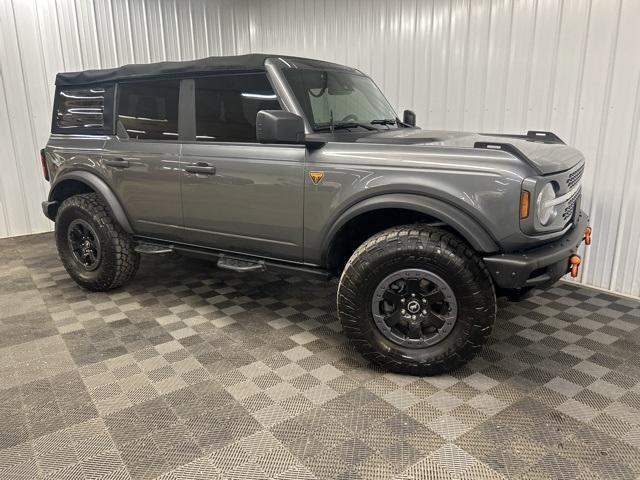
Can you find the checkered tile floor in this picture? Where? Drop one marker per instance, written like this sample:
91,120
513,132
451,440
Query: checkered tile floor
192,372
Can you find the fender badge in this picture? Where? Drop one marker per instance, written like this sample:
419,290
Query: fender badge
316,177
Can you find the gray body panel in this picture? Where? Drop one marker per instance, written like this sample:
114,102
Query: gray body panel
483,187
253,202
543,157
149,188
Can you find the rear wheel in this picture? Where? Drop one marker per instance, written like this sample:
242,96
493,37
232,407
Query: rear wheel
416,299
93,248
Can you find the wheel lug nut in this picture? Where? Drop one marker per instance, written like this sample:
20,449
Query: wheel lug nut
413,317
424,300
413,294
424,312
403,311
402,300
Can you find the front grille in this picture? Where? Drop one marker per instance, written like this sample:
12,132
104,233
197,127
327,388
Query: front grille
570,206
574,177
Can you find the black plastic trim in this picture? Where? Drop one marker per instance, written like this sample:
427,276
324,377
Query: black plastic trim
507,147
210,254
531,136
186,110
50,209
450,215
514,270
101,188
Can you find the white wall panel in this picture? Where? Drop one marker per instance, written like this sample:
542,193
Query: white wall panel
41,38
570,66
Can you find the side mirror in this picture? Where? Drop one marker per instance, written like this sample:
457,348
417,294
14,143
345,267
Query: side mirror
279,126
409,118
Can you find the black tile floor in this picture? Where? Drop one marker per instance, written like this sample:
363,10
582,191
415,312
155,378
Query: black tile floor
193,372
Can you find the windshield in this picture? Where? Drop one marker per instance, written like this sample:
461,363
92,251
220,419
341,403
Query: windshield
343,98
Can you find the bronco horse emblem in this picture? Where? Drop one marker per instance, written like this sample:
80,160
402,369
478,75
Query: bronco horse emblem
316,177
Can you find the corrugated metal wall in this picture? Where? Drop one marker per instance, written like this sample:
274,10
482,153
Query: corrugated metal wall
39,38
569,66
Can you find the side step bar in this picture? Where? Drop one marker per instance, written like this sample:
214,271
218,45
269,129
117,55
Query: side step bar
153,248
227,261
240,264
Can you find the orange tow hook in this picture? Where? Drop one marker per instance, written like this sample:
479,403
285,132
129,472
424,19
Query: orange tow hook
574,261
587,236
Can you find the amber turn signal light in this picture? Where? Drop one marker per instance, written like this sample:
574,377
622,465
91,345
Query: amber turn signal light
524,205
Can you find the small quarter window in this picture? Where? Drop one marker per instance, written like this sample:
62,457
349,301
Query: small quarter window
83,109
149,110
227,105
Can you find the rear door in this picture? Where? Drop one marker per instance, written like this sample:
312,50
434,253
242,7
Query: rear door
239,195
143,159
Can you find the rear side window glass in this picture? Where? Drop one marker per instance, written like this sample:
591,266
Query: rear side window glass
83,109
149,110
227,105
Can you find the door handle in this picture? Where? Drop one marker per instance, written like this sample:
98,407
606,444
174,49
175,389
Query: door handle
201,167
116,162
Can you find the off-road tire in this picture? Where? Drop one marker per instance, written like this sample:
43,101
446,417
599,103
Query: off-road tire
119,261
423,247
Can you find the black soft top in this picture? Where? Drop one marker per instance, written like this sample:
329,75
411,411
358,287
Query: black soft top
249,62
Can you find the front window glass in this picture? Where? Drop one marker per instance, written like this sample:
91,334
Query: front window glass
227,106
328,96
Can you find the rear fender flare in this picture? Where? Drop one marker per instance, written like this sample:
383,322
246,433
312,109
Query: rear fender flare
460,221
100,187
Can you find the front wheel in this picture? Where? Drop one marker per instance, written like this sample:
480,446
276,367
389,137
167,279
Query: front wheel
416,299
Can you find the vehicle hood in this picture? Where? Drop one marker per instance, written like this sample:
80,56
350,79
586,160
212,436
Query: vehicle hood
546,158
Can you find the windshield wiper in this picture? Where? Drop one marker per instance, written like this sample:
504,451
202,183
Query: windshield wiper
341,125
384,121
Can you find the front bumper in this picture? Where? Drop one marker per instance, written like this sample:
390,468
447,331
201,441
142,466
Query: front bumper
539,265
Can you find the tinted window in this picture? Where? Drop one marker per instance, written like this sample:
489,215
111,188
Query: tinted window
81,108
149,110
226,106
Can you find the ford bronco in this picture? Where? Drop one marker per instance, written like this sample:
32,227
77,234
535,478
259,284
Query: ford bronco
276,162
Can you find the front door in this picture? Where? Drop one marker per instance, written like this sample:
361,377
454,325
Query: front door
142,162
238,195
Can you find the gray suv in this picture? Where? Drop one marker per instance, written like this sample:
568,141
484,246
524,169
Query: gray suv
275,162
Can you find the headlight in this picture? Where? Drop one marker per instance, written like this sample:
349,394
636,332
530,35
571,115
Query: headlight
546,213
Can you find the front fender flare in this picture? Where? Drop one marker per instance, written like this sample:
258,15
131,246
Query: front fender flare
100,187
460,221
